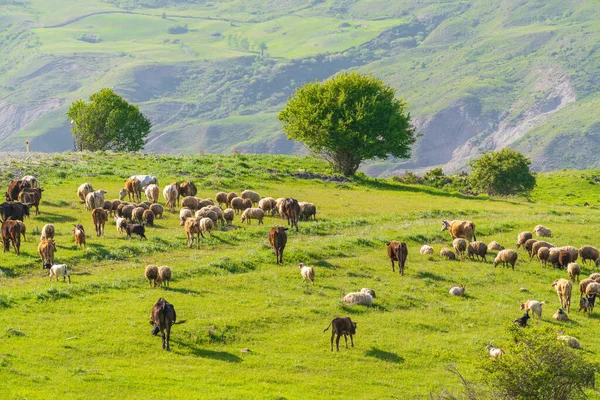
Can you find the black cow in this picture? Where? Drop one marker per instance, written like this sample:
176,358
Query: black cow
14,210
341,326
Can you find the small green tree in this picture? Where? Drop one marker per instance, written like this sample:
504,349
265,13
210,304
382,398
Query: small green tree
262,46
348,119
108,122
502,172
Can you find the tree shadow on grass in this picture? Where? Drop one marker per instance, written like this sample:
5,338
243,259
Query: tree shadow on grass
325,264
181,290
384,355
430,275
52,217
214,355
359,309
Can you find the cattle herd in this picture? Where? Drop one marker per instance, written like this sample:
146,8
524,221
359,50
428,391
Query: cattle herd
201,216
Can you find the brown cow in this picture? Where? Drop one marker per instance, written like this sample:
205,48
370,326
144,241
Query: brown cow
99,216
79,234
46,250
11,232
32,197
291,211
341,326
14,188
460,229
278,239
397,252
163,318
133,187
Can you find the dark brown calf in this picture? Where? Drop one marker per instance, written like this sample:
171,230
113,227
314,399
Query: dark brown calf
341,326
397,251
14,188
32,197
11,232
278,239
163,318
291,211
99,216
134,228
133,188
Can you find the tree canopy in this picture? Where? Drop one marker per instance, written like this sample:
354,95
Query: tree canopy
348,119
502,172
108,122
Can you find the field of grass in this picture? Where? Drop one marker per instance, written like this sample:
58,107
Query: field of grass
91,339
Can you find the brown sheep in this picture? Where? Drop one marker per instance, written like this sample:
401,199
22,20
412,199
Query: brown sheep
278,240
164,276
460,246
190,202
151,273
478,249
237,203
229,214
563,289
583,285
108,206
543,254
506,257
574,270
397,251
231,196
148,217
137,214
588,253
253,213
253,196
79,235
126,211
447,253
460,229
246,203
99,217
529,245
538,245
595,276
523,238
221,198
564,258
157,210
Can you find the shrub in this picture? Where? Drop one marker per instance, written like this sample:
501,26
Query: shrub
503,172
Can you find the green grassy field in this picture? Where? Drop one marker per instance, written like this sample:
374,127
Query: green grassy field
91,339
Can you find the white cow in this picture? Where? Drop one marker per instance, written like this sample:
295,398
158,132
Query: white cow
145,180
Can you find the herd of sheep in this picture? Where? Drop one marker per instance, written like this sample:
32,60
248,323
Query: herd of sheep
201,216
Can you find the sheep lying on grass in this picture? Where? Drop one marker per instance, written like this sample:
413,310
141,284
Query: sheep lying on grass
542,231
458,290
495,246
560,315
447,253
495,352
362,298
426,250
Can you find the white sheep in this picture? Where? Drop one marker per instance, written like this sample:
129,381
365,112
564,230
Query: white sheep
152,192
84,190
495,246
119,221
495,352
206,225
47,232
308,273
253,213
229,214
184,214
506,257
568,340
361,298
534,306
59,269
542,231
266,204
458,290
425,249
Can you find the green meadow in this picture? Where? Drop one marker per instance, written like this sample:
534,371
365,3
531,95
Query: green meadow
91,339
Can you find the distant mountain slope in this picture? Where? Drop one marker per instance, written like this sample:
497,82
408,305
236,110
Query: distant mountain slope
478,75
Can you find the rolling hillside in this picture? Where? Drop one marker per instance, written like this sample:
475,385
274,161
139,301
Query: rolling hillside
478,75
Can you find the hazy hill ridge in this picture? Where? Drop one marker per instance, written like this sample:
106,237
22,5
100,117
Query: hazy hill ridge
478,75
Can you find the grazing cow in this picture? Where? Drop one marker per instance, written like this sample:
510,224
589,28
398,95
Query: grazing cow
397,252
99,216
145,180
32,197
291,211
186,188
170,193
278,239
460,229
133,188
163,318
11,232
134,228
14,210
84,190
23,229
79,235
341,326
14,188
46,250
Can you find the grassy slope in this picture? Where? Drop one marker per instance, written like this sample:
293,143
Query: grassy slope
91,338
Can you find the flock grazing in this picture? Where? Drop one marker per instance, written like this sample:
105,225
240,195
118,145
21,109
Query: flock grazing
200,217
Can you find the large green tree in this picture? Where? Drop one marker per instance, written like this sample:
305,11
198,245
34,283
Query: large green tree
348,119
502,172
108,122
